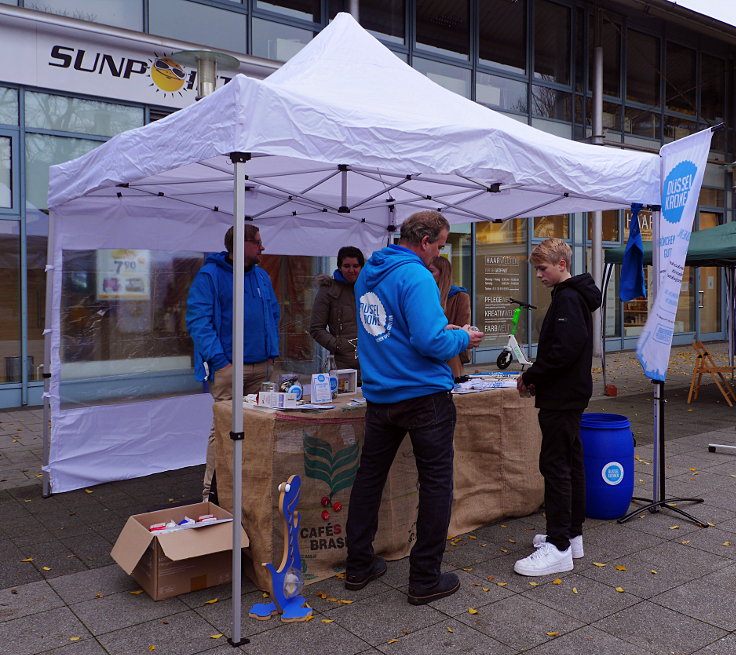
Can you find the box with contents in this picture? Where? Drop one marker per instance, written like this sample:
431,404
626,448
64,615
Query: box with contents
277,399
347,380
174,561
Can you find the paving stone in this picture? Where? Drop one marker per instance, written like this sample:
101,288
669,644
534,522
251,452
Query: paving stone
614,540
377,619
181,634
519,622
724,646
81,647
27,599
85,585
28,635
473,593
702,601
659,630
586,641
690,561
220,615
116,611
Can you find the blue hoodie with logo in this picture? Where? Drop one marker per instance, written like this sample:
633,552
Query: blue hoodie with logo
210,316
402,341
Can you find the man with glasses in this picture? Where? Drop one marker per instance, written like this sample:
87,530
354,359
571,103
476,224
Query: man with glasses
210,324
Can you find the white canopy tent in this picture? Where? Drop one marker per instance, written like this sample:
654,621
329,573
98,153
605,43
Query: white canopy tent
337,147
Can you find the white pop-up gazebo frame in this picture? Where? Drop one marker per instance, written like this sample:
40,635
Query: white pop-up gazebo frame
336,147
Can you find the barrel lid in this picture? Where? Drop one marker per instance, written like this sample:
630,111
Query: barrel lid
604,421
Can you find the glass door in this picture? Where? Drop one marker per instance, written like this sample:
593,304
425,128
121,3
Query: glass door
709,294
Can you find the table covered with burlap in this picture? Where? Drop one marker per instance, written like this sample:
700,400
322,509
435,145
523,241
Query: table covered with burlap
497,442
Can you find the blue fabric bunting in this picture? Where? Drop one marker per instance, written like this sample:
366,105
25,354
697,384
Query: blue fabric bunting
632,271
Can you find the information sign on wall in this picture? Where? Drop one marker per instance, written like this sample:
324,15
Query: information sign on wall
123,274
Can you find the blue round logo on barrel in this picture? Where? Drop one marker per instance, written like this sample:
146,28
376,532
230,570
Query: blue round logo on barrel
612,473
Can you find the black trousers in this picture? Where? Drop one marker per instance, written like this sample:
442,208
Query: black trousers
430,422
561,465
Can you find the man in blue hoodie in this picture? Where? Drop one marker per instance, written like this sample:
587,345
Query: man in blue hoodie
210,324
403,344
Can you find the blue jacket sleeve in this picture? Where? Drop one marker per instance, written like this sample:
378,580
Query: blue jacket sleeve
427,321
201,322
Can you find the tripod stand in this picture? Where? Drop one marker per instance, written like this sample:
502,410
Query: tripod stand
658,485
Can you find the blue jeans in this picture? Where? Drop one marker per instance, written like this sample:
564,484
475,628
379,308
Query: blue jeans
430,422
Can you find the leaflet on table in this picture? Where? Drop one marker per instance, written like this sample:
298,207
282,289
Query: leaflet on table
482,384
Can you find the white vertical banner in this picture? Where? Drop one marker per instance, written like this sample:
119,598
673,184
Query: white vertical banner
683,164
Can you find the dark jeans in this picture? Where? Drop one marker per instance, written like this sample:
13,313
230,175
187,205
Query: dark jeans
430,422
561,465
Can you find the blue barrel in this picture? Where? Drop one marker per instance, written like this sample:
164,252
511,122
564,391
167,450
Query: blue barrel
608,449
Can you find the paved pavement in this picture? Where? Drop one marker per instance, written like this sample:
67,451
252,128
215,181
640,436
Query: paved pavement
656,584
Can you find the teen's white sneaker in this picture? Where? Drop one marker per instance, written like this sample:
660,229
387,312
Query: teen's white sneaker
544,560
576,544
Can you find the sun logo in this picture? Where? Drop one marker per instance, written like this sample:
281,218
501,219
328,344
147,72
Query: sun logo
167,75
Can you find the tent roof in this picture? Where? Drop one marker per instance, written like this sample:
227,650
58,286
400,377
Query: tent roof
348,137
715,246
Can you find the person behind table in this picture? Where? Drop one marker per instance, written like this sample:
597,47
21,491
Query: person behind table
210,324
455,302
561,381
333,325
403,346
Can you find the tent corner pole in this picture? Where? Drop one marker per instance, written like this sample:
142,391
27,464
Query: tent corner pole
237,432
48,326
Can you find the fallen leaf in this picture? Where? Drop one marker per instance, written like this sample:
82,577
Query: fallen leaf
99,596
46,568
486,588
340,576
598,564
491,578
503,550
653,572
332,600
618,567
392,641
511,541
215,636
472,611
674,527
726,543
27,559
552,634
345,602
321,594
686,542
472,536
327,620
88,491
574,590
534,584
135,593
502,584
470,569
620,590
210,602
151,648
483,545
557,581
74,638
693,468
450,630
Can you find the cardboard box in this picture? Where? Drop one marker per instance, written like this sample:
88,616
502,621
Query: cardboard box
177,562
277,399
347,380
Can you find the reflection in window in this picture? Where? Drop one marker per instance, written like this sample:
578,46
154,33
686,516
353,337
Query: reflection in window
500,93
119,13
681,79
712,88
8,106
190,21
276,41
552,42
642,68
443,27
502,31
10,307
548,227
52,112
6,173
385,19
641,123
302,9
609,227
550,103
710,198
43,151
676,128
453,78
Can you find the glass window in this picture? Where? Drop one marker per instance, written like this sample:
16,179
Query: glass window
8,106
303,9
645,224
453,78
37,231
641,123
276,41
680,79
611,44
190,21
552,45
43,151
549,227
611,115
676,128
385,19
120,13
51,112
551,103
609,227
500,92
10,301
502,33
712,89
444,27
6,172
642,68
711,198
501,272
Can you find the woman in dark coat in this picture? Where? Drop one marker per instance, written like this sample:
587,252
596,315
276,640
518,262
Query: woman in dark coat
333,325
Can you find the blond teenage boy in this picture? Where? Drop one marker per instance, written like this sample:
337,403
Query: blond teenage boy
561,382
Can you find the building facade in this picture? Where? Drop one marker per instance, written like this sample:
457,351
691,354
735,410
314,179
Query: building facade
75,73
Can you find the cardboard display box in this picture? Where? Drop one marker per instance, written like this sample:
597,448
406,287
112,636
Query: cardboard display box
177,562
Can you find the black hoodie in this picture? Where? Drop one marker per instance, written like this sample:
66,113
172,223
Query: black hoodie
561,371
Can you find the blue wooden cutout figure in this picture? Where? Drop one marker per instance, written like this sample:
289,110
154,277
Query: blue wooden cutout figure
285,584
